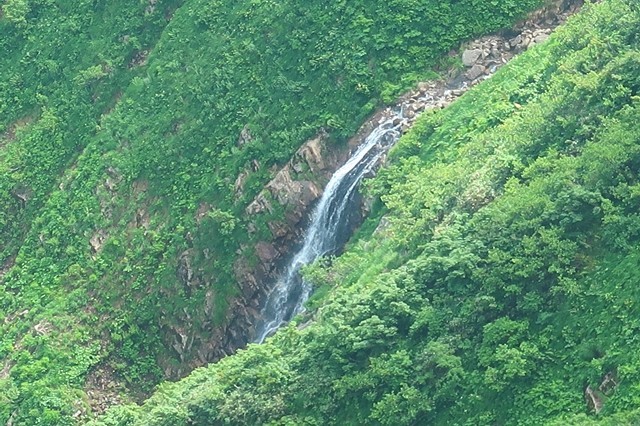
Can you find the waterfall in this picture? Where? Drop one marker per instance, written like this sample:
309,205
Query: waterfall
328,228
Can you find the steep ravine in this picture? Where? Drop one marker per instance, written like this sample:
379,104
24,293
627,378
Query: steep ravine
286,201
330,226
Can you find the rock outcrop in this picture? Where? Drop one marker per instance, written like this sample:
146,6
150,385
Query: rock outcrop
281,209
596,397
292,191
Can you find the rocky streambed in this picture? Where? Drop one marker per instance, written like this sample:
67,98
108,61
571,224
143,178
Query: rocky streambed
482,57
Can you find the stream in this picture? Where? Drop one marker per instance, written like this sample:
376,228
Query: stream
329,227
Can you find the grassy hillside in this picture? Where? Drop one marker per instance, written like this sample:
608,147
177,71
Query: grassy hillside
501,283
119,121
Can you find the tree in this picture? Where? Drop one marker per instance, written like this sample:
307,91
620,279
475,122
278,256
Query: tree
16,11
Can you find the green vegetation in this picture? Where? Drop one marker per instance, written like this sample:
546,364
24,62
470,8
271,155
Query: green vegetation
505,283
120,120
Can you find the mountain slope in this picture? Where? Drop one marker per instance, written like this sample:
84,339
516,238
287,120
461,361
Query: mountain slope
120,143
500,283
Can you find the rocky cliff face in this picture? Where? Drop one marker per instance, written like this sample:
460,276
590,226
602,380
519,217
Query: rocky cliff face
292,192
281,211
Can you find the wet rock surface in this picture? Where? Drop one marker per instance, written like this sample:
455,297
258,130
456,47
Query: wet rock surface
596,397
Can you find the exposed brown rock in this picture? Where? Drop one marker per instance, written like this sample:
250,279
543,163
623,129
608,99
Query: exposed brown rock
9,318
594,400
182,341
10,133
312,154
283,188
609,383
97,240
246,277
596,397
238,186
112,180
202,211
140,186
245,136
259,205
22,193
266,252
279,229
142,218
482,58
139,59
102,389
185,270
293,194
43,328
6,369
7,265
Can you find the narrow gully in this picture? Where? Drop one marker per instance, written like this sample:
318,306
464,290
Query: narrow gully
328,229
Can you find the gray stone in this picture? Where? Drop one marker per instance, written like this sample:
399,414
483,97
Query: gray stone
469,57
417,107
541,38
475,72
515,41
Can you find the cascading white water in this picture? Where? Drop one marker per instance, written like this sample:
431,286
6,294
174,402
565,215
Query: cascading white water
329,225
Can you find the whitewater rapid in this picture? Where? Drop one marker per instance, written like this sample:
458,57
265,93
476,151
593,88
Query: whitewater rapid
328,229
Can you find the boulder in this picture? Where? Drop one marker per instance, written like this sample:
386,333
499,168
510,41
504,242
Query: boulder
311,151
471,56
540,38
514,42
475,72
266,252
